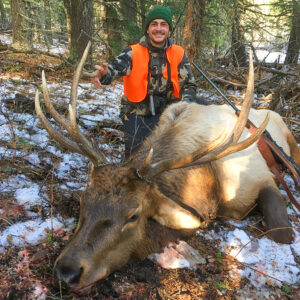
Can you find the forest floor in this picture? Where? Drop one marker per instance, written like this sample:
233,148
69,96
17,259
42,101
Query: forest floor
40,183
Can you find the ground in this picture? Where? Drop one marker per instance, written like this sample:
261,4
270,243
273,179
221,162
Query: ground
40,184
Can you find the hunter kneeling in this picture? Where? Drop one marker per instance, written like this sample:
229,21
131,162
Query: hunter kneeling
155,72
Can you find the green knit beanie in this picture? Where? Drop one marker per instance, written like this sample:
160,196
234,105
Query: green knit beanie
159,12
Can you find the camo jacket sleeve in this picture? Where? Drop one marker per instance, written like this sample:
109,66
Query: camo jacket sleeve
186,80
119,66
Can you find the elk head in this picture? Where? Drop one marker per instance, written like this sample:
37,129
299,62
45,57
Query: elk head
118,208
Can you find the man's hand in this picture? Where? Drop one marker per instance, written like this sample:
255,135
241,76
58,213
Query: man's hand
101,71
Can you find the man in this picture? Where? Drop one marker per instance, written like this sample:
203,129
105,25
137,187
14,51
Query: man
156,73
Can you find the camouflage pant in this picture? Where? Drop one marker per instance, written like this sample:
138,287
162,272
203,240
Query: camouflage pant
136,129
143,108
139,122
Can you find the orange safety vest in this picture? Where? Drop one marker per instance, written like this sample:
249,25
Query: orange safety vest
136,83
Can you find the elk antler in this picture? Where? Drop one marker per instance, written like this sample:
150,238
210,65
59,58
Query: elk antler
218,148
78,142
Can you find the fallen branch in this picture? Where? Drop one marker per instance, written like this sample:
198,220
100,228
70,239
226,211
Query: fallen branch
218,79
35,51
291,120
103,124
278,72
261,82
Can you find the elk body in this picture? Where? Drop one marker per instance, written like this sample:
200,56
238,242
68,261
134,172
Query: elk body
184,175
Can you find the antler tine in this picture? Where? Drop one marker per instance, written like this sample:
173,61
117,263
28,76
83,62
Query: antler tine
85,145
246,106
231,144
147,164
230,148
247,103
57,117
77,74
54,133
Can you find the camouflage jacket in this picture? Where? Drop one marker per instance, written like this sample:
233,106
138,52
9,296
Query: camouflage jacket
158,87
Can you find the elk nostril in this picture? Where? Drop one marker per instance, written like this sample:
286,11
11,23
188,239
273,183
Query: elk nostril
68,271
76,277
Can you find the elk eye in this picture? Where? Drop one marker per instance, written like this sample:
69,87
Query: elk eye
133,218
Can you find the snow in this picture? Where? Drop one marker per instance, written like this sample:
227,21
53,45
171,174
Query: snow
176,256
13,184
68,162
28,196
5,39
265,255
30,232
270,57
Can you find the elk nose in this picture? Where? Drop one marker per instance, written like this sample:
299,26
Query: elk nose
68,271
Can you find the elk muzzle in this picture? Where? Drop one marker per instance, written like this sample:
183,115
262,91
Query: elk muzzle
77,275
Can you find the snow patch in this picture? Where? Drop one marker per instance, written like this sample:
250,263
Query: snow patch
31,232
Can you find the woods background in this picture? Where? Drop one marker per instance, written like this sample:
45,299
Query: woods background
211,31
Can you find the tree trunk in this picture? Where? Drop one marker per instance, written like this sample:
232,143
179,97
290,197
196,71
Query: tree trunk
67,5
129,10
48,29
129,22
81,27
4,20
21,27
113,28
143,13
37,15
292,54
193,26
238,49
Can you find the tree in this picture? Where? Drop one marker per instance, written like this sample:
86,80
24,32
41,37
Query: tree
47,22
193,25
237,37
143,11
4,19
113,28
81,23
21,25
67,5
292,55
130,29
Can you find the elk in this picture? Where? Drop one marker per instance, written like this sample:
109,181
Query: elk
188,172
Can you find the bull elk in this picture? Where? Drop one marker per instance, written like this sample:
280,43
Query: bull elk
184,175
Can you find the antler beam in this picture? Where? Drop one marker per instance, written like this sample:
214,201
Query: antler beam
218,148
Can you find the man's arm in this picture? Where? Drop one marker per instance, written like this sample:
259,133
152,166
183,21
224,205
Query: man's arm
186,80
117,67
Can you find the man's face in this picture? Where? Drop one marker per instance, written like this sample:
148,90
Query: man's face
158,31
